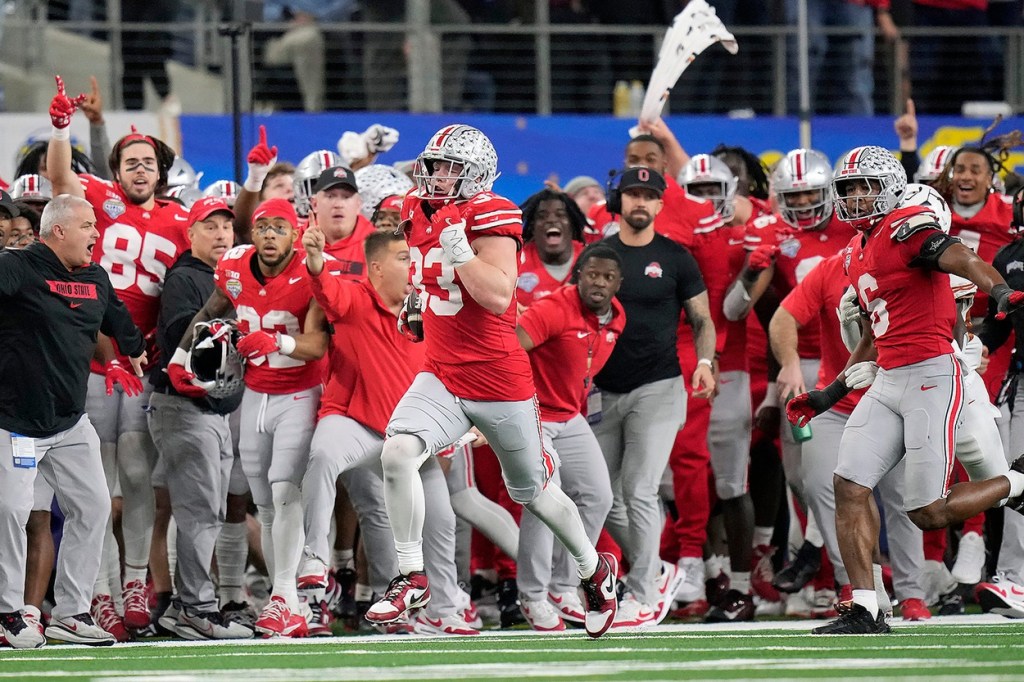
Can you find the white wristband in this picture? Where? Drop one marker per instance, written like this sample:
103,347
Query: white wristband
61,133
254,182
180,354
705,361
285,343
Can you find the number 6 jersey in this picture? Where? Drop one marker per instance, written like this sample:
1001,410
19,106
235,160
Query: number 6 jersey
474,353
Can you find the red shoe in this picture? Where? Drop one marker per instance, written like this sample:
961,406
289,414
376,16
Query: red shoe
277,620
136,605
105,615
602,600
763,573
319,621
406,592
914,609
695,609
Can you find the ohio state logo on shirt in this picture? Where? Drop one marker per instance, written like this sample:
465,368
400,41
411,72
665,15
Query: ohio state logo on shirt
653,270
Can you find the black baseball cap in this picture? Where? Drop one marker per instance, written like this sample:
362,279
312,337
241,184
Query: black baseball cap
7,204
336,176
640,176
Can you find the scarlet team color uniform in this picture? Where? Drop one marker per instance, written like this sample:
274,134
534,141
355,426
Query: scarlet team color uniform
535,282
914,405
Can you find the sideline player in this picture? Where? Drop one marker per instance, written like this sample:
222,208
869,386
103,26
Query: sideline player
463,241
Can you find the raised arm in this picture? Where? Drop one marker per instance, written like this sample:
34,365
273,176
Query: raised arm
58,153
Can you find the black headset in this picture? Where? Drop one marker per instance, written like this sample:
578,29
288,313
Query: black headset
613,195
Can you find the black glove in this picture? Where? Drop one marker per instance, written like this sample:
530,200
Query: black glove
410,318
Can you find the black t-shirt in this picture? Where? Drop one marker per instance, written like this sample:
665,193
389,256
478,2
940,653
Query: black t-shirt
656,279
1008,262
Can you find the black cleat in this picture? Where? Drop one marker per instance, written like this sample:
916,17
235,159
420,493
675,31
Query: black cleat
854,619
951,604
734,607
1017,503
508,604
799,572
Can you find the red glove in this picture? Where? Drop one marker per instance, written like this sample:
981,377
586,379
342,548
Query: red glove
114,373
262,154
62,108
445,216
1007,302
181,379
799,410
257,345
762,257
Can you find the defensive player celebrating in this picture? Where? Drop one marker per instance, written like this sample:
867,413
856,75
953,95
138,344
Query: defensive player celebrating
268,286
463,241
897,265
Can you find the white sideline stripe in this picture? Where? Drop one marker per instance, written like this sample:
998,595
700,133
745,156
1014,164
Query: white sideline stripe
568,669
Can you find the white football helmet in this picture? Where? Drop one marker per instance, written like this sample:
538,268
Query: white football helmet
307,173
182,174
933,165
184,195
32,187
800,171
917,194
884,175
470,150
224,189
214,359
377,182
705,169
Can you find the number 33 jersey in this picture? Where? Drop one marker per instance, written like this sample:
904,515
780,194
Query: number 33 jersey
474,353
271,304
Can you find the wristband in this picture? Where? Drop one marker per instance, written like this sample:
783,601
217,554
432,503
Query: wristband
705,361
253,183
180,354
836,391
285,344
999,291
61,133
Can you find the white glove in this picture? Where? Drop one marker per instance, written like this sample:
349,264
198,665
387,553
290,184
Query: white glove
379,138
352,147
455,244
849,319
972,352
861,375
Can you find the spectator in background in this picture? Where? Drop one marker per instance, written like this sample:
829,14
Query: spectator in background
851,71
24,228
145,52
585,191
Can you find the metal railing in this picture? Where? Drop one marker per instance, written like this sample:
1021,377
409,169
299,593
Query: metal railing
547,68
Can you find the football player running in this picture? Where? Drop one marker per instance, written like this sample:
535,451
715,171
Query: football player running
463,242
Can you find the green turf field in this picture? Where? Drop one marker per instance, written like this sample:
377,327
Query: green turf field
967,649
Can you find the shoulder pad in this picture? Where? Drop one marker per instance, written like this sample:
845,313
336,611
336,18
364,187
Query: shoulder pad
902,229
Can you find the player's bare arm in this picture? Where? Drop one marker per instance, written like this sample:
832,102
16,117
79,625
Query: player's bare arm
524,339
216,307
783,335
490,278
698,316
312,343
957,259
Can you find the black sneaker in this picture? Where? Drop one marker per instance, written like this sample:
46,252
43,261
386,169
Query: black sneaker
342,600
733,608
855,620
799,572
951,603
508,604
1017,503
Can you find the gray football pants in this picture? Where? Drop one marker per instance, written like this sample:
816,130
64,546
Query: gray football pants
1011,551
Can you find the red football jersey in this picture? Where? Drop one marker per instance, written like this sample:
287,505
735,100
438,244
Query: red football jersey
912,309
988,231
135,247
570,348
372,364
799,252
733,356
535,281
349,260
813,304
277,304
474,353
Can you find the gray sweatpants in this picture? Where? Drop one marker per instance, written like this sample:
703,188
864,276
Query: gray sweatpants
543,564
791,450
636,433
195,449
1011,551
70,463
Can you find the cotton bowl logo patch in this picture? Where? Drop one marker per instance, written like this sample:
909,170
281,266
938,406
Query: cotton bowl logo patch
790,247
234,287
653,270
528,281
113,208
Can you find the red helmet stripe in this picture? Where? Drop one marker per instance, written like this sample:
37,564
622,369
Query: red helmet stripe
443,135
851,160
703,164
940,160
798,163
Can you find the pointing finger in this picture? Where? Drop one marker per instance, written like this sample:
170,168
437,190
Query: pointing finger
910,107
94,85
263,136
60,85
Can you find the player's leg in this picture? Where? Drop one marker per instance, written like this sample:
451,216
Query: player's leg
821,455
255,449
487,516
365,485
906,544
41,551
979,446
232,549
1011,551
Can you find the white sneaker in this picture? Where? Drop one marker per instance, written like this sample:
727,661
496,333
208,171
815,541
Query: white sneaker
541,615
970,559
19,633
34,617
937,581
467,609
312,575
634,614
569,606
667,582
169,619
79,629
798,604
449,625
1001,596
692,586
200,626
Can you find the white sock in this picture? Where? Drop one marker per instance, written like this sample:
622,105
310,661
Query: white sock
763,535
266,518
343,558
289,538
401,459
882,595
740,581
132,573
363,592
712,566
560,514
410,556
868,599
232,554
1016,480
172,550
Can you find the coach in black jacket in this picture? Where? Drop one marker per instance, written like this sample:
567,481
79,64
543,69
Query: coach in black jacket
54,301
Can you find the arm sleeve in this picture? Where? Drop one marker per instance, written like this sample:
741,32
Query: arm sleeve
333,295
117,323
99,150
542,321
911,162
11,273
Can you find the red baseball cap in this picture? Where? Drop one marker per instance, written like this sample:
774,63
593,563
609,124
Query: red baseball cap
207,206
391,203
276,208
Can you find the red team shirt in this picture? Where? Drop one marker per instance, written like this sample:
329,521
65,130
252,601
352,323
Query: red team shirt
987,232
535,282
473,352
571,347
136,247
911,309
349,261
279,304
799,252
813,304
372,364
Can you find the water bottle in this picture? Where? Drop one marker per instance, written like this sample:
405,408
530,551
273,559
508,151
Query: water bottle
800,433
620,100
636,98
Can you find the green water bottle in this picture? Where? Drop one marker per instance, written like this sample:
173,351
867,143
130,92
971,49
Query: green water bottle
800,433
